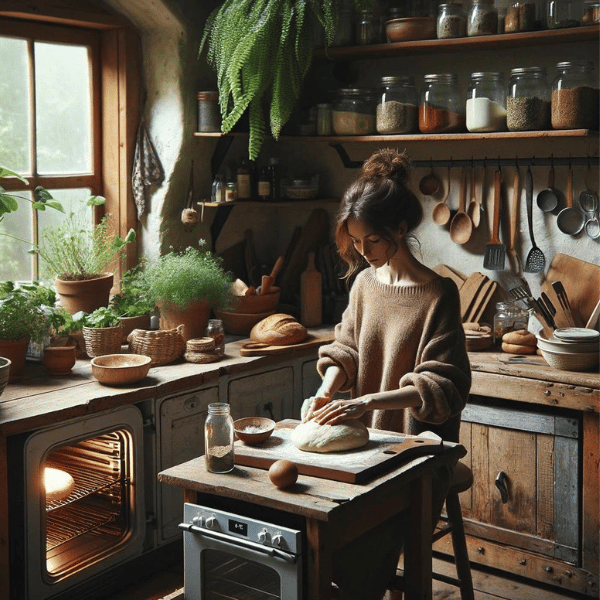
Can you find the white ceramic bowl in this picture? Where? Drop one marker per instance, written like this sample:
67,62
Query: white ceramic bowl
563,347
578,361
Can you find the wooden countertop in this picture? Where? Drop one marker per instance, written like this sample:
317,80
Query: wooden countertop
40,400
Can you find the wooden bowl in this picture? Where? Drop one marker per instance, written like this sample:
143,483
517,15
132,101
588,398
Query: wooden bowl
238,323
411,28
257,303
253,430
120,369
4,372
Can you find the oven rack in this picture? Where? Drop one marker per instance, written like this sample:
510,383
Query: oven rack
78,519
87,482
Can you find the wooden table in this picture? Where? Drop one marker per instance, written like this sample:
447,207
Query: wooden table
336,513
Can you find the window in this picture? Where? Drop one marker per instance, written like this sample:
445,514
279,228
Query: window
68,117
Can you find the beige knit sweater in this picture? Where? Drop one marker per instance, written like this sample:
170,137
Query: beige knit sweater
394,336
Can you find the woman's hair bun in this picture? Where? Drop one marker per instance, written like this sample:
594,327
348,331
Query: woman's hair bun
387,163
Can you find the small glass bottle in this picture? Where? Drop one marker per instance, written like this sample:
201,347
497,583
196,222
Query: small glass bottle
353,112
575,96
230,191
486,103
520,16
591,12
275,177
563,13
264,185
209,115
324,119
218,189
215,330
451,21
218,439
528,100
508,317
344,34
244,181
442,109
482,19
368,28
398,106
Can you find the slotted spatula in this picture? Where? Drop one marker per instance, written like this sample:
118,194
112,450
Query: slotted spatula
535,261
495,251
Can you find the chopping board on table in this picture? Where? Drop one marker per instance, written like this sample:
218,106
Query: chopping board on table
251,348
384,451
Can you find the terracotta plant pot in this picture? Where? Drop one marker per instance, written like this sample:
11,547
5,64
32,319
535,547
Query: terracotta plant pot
59,360
131,323
4,372
15,351
86,295
194,319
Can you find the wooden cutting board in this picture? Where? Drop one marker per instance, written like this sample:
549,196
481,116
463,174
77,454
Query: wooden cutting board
384,451
251,348
582,284
311,294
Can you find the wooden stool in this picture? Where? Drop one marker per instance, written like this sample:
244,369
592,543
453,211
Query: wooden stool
462,480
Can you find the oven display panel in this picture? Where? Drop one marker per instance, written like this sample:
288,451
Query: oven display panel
238,527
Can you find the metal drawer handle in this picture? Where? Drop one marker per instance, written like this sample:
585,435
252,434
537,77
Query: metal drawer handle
501,481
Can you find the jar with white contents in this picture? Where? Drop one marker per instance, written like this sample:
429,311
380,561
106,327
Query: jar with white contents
486,103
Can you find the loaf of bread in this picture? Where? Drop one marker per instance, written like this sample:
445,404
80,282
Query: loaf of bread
278,330
520,337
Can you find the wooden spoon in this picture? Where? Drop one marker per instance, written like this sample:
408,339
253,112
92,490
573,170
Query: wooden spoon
441,211
430,184
461,226
474,210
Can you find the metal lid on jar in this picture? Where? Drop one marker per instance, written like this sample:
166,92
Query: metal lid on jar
208,95
441,78
398,80
357,92
487,75
528,71
584,65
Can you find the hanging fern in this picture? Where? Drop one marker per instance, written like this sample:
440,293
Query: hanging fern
262,50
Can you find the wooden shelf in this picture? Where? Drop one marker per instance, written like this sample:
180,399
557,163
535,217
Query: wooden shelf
466,44
281,203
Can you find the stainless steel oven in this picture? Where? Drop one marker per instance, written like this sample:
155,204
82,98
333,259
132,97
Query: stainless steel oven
233,556
78,502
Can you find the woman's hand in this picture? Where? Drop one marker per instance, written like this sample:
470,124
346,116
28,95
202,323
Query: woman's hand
337,411
310,405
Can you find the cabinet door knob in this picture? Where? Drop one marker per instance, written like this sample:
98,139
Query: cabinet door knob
501,480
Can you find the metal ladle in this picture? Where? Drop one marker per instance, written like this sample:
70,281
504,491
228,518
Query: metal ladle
474,210
547,199
441,212
588,202
570,220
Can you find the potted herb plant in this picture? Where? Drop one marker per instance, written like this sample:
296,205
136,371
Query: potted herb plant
79,256
22,320
66,341
185,286
102,332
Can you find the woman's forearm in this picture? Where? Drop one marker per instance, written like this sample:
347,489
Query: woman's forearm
333,380
406,397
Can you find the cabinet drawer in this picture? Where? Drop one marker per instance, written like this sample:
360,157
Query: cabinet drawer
526,470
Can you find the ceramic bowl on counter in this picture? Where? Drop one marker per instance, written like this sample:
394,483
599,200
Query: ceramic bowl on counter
238,323
253,430
120,369
569,355
258,303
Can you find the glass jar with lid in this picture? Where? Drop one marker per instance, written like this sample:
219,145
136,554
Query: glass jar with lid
575,96
528,100
344,33
482,19
353,112
561,14
451,21
520,16
508,317
591,12
368,28
398,107
441,108
218,439
486,102
209,113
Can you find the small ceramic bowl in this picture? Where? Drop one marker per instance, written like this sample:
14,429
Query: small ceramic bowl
120,369
253,430
238,323
577,361
258,303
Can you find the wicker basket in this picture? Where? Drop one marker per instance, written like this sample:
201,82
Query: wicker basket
162,346
102,340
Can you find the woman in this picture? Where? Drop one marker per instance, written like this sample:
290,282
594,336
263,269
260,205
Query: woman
399,349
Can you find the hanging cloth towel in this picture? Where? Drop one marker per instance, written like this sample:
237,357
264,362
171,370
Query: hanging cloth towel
146,168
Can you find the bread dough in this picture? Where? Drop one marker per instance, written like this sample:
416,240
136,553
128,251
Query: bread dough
59,484
313,437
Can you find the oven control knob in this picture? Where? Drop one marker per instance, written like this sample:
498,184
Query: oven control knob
277,540
264,537
212,523
198,521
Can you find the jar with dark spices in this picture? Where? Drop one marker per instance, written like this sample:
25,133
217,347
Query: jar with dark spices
441,109
575,96
398,107
368,28
482,19
218,439
520,16
528,100
353,112
451,21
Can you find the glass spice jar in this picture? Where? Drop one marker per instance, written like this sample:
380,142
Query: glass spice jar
508,317
528,100
520,16
441,109
574,103
353,112
209,114
482,19
368,28
591,13
398,107
218,439
561,14
215,330
486,103
451,21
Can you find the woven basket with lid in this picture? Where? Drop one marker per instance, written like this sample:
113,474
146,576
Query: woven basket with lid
163,346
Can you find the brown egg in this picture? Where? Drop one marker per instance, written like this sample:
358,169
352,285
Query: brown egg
283,473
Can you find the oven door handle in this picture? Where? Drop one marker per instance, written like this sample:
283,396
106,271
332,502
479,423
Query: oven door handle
232,541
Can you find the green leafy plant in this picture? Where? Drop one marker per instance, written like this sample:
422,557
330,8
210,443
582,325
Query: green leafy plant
261,50
134,298
21,314
102,317
178,279
73,251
